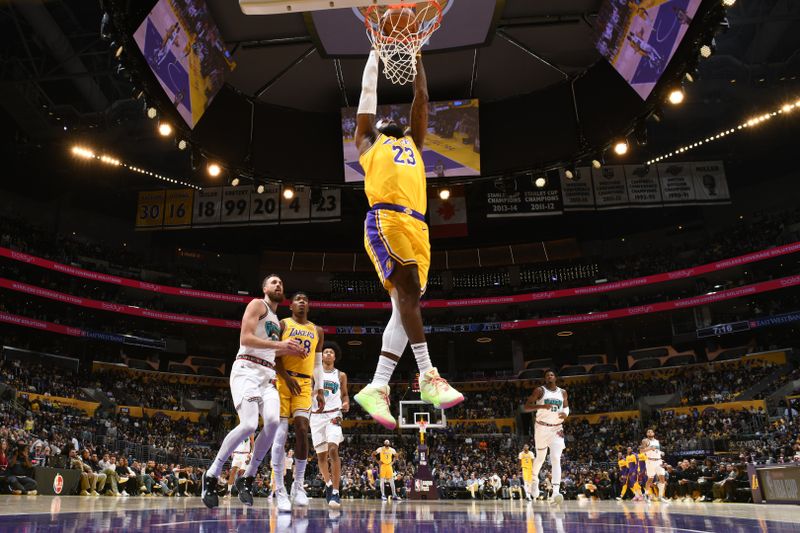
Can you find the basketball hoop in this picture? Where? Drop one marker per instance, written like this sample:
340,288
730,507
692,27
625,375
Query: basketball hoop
399,36
422,424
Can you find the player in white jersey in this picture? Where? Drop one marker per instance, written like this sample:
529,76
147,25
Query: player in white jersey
253,386
552,408
241,457
655,465
326,423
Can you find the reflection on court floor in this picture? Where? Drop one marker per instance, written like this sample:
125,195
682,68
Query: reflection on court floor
74,513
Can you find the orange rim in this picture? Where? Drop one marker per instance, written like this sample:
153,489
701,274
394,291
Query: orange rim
378,37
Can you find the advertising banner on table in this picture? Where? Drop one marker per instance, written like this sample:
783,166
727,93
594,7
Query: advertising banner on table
526,195
577,193
677,183
448,217
644,189
710,183
610,188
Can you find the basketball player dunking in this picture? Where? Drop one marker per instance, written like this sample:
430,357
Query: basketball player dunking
326,424
552,408
253,386
396,239
295,390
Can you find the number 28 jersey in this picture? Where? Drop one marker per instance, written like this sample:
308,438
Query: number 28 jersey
394,173
307,335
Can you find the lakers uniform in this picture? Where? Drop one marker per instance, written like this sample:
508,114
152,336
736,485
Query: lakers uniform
630,460
642,470
395,231
526,462
253,371
326,427
386,455
300,369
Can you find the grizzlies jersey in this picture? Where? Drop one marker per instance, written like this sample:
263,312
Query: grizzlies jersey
268,328
394,173
656,453
555,399
307,335
333,394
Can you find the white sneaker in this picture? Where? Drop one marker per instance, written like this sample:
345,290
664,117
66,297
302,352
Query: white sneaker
536,492
664,500
124,493
299,496
282,501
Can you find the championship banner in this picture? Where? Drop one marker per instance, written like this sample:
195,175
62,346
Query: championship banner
687,273
150,209
610,188
644,189
710,183
677,183
448,217
577,193
527,195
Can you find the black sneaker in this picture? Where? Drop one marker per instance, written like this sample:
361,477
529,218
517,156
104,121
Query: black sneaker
244,485
334,502
328,492
209,493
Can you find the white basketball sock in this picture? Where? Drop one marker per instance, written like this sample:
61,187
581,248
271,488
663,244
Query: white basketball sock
421,355
300,470
384,371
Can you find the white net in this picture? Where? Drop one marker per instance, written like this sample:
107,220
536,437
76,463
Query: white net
398,32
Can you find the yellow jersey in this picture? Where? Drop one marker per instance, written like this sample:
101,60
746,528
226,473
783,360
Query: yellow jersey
307,335
394,173
526,460
631,460
386,455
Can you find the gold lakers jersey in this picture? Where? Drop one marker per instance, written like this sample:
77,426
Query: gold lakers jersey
631,460
394,173
622,464
387,454
307,335
526,460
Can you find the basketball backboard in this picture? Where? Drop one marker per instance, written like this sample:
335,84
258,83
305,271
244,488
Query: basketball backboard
277,7
414,411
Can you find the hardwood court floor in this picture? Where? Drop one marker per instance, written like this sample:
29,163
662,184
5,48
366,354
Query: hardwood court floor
129,515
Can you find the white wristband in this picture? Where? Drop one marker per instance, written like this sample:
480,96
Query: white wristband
565,411
368,105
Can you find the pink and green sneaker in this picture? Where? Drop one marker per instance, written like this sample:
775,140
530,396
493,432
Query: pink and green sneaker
374,400
437,391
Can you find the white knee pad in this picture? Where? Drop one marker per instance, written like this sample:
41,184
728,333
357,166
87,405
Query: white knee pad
394,336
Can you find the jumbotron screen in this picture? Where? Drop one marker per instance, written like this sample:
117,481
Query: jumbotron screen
452,144
182,46
640,38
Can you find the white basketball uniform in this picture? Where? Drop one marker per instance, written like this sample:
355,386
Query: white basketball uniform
654,462
240,455
326,426
549,429
251,379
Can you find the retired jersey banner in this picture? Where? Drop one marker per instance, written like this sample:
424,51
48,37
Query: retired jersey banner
577,192
644,189
448,217
710,183
526,195
610,188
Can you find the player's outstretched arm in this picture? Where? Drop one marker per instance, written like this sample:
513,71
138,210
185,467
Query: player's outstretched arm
368,105
419,107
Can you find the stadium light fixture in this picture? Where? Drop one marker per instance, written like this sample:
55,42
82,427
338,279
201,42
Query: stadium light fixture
484,340
596,164
288,193
706,51
444,194
676,96
728,3
621,147
235,182
540,182
165,129
260,189
83,152
152,112
214,170
354,343
182,145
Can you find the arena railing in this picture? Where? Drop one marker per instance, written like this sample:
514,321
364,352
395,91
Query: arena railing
686,273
